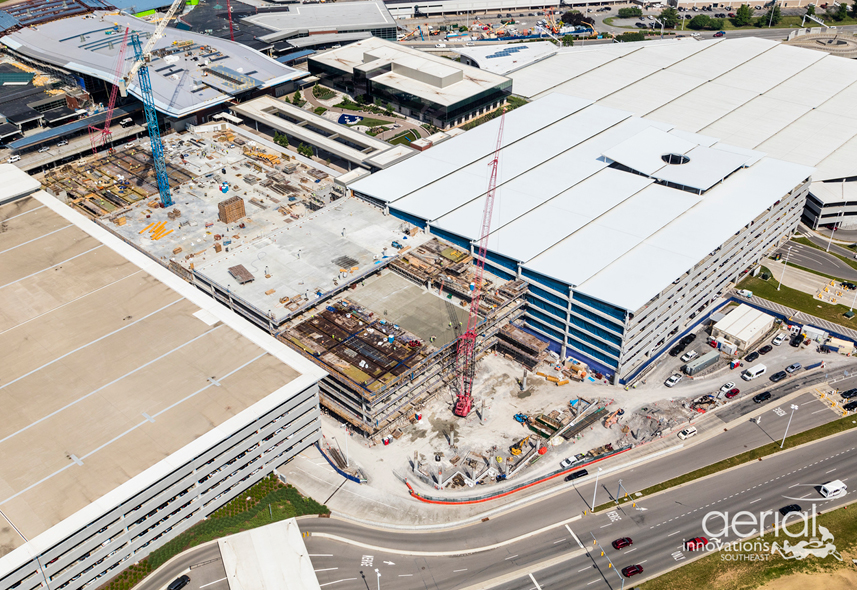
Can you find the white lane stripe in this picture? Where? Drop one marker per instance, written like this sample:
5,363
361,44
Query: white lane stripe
675,533
327,569
215,582
336,582
756,500
536,583
629,550
52,266
456,571
405,575
36,239
21,214
511,557
588,567
320,555
574,536
87,345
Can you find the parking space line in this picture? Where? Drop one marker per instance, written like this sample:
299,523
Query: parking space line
216,581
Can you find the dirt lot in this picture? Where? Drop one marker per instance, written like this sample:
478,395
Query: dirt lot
845,579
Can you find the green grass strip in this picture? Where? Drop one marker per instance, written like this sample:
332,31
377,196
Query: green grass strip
801,438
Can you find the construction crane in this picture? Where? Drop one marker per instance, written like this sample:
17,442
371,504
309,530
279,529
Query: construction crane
142,57
104,136
465,356
229,14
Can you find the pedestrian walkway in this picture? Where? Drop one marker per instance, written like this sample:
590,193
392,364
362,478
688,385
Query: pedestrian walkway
796,278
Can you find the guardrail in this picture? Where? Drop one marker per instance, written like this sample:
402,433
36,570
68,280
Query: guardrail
335,467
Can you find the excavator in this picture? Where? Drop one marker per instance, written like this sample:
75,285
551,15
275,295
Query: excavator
516,448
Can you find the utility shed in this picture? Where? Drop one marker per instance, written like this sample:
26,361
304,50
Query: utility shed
702,363
744,326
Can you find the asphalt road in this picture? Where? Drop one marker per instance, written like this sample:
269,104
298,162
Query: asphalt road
817,260
821,241
200,576
658,529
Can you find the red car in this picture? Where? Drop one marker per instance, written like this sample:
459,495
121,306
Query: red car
732,393
632,570
696,543
622,543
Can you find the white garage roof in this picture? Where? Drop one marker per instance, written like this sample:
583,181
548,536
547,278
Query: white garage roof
745,323
789,102
577,198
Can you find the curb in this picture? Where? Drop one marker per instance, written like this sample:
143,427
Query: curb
453,552
522,572
172,559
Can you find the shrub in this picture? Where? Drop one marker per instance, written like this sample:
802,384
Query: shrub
630,12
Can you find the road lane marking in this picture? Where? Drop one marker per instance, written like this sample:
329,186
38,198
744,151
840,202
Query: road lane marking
644,561
675,533
560,541
606,525
336,582
593,582
405,575
574,536
588,567
511,557
328,569
831,471
456,571
756,500
320,555
816,412
536,583
629,550
220,580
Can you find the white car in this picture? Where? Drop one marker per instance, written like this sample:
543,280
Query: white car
15,158
689,355
673,380
44,149
62,142
780,338
687,433
470,44
570,461
726,387
441,45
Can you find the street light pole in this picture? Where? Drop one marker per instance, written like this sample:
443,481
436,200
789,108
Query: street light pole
771,20
794,407
782,276
379,578
595,491
841,216
613,567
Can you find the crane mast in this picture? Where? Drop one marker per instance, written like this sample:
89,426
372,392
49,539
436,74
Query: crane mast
103,136
465,357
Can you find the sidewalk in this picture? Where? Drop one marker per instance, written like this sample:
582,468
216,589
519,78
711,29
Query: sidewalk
796,278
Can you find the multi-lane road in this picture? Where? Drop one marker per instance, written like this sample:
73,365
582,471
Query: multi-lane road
541,539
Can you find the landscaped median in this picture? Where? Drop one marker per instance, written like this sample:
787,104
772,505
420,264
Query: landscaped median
266,502
819,432
745,570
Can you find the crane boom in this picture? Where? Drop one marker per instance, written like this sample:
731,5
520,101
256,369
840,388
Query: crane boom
159,31
103,136
466,347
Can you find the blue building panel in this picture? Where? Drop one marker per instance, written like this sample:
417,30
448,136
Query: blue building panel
555,299
548,282
611,310
451,238
416,221
502,261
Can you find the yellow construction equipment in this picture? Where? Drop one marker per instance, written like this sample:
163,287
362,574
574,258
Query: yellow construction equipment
516,448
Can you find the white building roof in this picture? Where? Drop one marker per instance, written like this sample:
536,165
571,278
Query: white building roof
315,18
565,209
752,93
503,59
744,323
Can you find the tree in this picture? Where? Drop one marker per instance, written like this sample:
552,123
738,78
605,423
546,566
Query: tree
568,41
700,21
838,13
772,17
743,16
854,9
669,16
810,10
296,99
630,12
715,24
575,18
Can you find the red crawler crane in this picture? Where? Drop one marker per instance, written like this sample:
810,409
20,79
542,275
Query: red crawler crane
229,13
465,359
98,136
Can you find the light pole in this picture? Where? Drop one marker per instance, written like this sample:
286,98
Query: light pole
841,215
379,578
595,491
782,276
853,300
662,27
794,407
771,20
604,553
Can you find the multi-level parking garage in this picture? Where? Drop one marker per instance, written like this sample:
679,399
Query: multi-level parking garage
625,229
134,405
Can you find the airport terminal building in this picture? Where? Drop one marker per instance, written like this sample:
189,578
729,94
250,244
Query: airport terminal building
135,405
626,229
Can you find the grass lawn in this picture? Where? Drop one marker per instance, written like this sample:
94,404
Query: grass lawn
796,299
405,137
714,573
269,501
370,122
377,131
841,425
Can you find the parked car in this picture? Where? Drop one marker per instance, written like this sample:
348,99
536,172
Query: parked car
44,149
732,393
727,386
569,461
632,570
676,350
796,340
577,475
848,393
179,583
687,433
779,339
778,376
850,406
673,380
792,368
762,397
689,356
622,543
766,349
696,543
62,142
15,158
848,285
790,508
688,339
441,45
751,357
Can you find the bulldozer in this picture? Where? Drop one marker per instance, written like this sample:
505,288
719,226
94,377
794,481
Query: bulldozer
516,448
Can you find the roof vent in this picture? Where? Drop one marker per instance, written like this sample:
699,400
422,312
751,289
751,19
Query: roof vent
675,159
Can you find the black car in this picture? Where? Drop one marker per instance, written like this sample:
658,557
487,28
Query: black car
688,339
676,350
766,349
179,583
848,393
790,508
751,357
796,340
577,475
850,406
762,397
848,285
779,376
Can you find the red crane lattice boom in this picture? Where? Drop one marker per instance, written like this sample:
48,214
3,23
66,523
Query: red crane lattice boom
466,348
97,135
229,14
